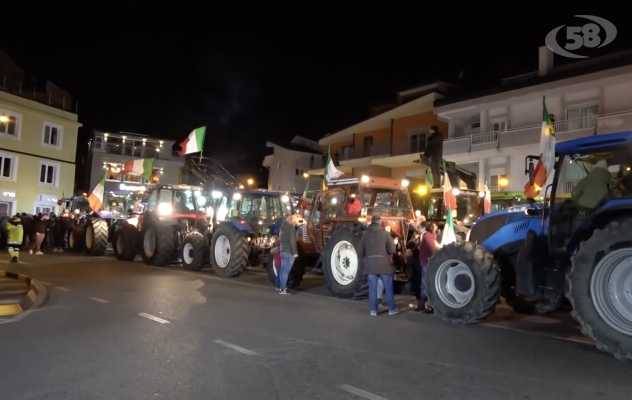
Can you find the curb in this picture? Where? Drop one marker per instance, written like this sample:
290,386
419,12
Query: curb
33,299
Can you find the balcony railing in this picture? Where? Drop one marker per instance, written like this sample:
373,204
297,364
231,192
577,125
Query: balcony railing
37,93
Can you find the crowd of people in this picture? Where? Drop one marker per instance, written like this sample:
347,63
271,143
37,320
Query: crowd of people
33,233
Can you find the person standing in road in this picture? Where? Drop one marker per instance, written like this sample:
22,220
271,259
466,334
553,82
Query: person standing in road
289,252
427,246
14,238
41,227
375,249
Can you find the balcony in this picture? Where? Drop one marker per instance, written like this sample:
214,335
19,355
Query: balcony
365,155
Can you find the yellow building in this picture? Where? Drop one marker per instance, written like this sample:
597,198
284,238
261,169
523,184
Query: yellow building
38,141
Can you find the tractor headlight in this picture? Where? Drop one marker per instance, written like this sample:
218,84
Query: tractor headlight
164,209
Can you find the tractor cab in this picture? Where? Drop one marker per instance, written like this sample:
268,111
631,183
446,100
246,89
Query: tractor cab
176,201
504,200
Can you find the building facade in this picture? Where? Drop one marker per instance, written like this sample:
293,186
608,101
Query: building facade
491,133
38,141
110,151
389,143
289,164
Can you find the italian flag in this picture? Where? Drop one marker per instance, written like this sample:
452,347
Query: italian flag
450,204
429,178
141,167
194,143
95,200
546,162
331,172
487,199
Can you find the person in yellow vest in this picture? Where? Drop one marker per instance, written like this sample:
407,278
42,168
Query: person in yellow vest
15,236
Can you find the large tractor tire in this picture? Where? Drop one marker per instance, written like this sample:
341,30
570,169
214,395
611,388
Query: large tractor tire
599,286
229,251
159,243
125,243
343,269
96,237
463,283
76,241
192,251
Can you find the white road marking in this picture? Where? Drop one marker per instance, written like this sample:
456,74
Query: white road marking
568,339
62,288
151,317
236,348
98,300
360,392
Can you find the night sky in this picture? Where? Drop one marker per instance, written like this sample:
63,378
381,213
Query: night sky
253,74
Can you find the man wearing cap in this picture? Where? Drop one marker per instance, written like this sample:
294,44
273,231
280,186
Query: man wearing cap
434,154
375,249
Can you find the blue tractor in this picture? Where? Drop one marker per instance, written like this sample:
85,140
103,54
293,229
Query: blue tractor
577,246
245,226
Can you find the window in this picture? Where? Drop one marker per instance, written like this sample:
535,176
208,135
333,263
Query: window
7,167
258,207
417,140
347,153
332,204
52,135
498,125
498,183
113,176
43,209
9,127
581,116
368,146
132,179
48,173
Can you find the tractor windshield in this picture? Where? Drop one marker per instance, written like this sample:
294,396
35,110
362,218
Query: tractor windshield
385,202
468,206
260,207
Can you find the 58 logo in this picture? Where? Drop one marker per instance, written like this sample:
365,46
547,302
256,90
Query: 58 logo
596,34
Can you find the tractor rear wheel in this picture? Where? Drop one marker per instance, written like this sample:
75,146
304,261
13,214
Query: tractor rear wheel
463,283
125,243
599,286
76,241
96,237
159,242
342,267
295,277
229,251
192,251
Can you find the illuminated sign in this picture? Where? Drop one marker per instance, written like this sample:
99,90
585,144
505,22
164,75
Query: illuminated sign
131,187
47,198
8,194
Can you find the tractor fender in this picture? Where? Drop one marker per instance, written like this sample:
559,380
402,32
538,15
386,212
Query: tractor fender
612,210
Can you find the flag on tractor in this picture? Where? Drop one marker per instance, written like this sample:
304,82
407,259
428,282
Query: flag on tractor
448,230
449,198
140,167
429,178
194,143
546,162
331,172
487,198
95,200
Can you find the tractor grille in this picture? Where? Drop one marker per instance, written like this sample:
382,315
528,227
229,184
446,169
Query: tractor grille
486,227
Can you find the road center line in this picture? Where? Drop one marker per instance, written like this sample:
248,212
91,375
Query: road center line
62,288
98,300
151,317
360,392
236,348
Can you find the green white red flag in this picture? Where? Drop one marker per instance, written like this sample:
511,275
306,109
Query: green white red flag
331,172
546,162
194,143
448,230
449,198
139,167
95,200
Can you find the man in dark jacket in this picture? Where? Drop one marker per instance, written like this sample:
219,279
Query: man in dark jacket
374,250
434,154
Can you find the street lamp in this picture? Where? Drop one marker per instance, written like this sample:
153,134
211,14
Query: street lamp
503,182
305,175
250,182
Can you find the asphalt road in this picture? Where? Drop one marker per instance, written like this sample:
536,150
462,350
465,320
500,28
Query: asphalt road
112,330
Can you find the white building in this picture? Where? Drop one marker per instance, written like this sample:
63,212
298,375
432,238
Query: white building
289,163
490,133
110,151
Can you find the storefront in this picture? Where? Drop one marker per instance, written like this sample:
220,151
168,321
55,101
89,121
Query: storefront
45,204
7,202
